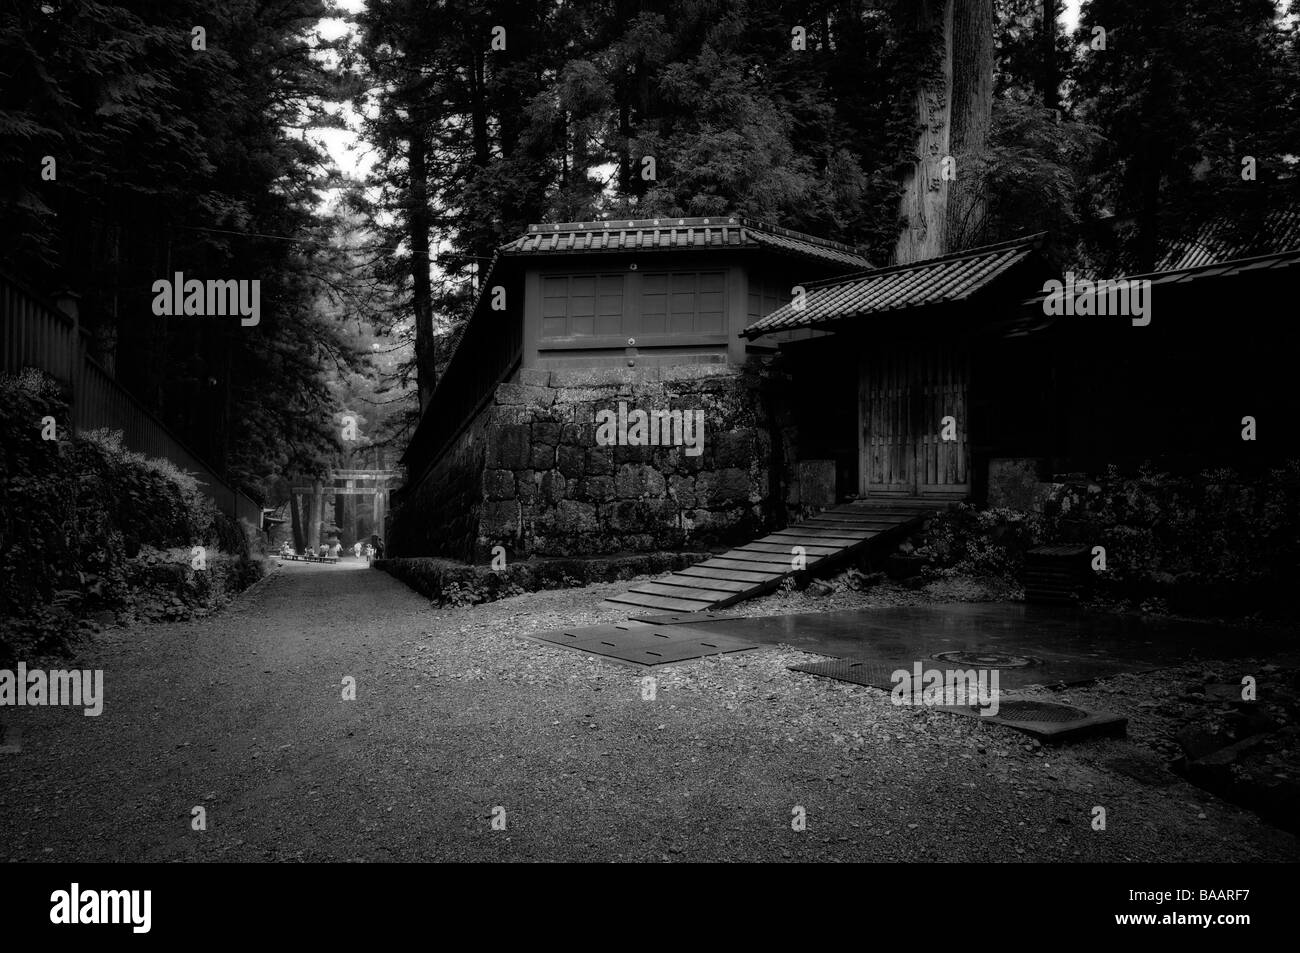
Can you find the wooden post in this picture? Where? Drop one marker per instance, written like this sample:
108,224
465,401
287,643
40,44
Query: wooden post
347,525
295,515
316,515
341,511
66,301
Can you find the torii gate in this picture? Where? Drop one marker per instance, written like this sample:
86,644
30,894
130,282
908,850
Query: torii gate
375,484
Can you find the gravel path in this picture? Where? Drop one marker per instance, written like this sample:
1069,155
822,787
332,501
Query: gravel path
455,714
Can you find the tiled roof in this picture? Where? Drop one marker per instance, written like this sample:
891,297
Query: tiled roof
950,278
1229,238
1030,317
658,234
1184,276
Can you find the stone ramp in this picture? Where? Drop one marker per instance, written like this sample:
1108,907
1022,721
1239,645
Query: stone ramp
758,567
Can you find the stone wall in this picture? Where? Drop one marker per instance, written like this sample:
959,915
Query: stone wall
551,490
546,488
439,515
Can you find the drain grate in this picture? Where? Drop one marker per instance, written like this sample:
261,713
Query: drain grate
1049,721
1039,711
987,659
645,644
848,670
687,618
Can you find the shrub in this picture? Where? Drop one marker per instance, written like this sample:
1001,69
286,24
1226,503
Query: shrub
1218,542
79,511
965,540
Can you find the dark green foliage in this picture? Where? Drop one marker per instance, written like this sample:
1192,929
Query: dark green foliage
1183,92
176,159
966,540
89,528
1218,543
451,583
556,126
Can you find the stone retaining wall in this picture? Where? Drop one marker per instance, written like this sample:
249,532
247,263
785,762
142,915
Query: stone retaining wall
529,475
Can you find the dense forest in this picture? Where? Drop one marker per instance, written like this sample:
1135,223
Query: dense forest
143,138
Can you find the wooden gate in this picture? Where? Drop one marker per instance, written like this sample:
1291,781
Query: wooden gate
905,390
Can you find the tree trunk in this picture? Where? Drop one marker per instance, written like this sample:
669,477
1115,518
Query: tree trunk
1050,78
972,115
481,236
625,148
925,193
295,516
478,108
418,218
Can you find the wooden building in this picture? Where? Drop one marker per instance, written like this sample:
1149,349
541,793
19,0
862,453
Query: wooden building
972,337
572,319
952,378
637,294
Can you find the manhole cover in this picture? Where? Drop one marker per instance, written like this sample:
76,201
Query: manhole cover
987,659
1039,711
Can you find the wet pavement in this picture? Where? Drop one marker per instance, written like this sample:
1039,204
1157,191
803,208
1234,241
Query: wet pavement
1029,644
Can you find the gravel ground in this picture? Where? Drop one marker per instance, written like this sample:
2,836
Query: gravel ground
455,714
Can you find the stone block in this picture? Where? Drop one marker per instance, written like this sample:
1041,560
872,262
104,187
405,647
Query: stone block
574,518
513,414
571,461
552,487
633,454
696,372
499,519
583,395
634,482
641,516
681,489
733,448
602,376
597,489
526,484
723,487
542,457
509,447
499,484
517,394
578,435
546,433
600,461
535,377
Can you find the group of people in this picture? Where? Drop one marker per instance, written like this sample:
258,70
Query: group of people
371,550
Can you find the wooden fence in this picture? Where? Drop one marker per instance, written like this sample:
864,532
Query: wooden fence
35,333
